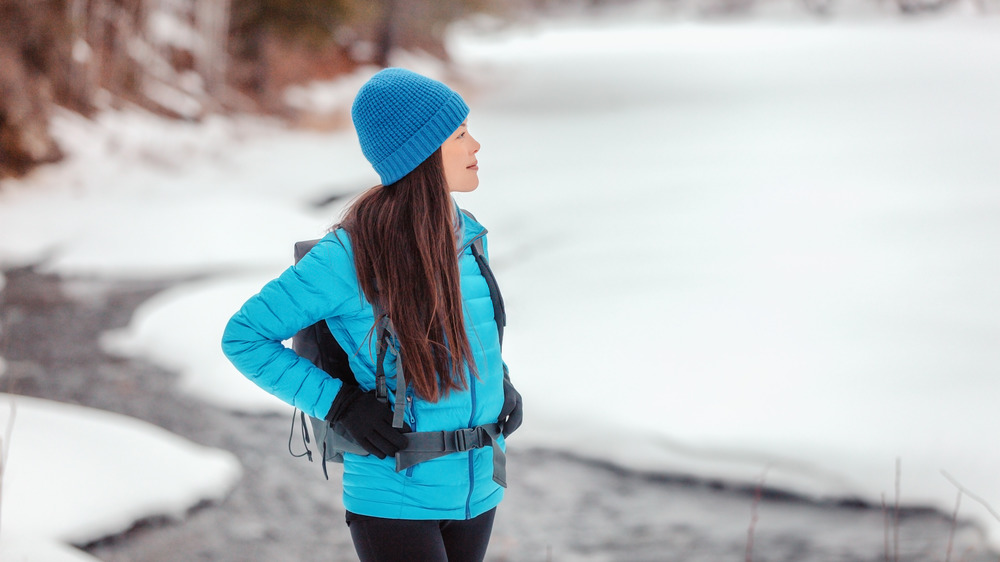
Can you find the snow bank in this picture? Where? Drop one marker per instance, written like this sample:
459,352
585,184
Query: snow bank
181,329
35,550
75,474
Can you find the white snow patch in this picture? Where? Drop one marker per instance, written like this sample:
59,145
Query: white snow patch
75,474
181,330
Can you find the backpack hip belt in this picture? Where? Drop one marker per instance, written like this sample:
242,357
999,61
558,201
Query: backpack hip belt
427,445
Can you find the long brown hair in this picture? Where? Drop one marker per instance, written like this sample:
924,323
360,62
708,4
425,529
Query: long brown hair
405,254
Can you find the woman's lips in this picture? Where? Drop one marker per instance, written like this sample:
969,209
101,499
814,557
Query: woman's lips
473,167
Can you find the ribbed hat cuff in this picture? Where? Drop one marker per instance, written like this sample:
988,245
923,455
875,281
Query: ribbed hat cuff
424,142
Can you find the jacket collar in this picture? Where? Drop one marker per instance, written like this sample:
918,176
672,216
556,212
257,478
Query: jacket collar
467,228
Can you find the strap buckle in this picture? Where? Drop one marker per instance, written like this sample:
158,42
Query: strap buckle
471,438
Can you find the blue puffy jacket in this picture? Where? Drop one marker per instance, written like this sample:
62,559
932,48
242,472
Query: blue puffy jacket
324,285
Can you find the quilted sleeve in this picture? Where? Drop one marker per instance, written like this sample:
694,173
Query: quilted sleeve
322,285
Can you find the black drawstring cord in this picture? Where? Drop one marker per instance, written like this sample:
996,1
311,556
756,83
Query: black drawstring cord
305,437
324,462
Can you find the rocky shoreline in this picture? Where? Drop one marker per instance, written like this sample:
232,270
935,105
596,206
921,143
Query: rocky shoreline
558,507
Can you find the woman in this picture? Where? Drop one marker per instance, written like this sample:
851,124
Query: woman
403,250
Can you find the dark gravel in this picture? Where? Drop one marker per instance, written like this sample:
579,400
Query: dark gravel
557,508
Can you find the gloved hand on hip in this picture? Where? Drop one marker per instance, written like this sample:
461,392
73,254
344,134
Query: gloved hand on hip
368,421
511,414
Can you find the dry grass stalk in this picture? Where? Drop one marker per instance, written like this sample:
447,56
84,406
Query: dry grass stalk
5,450
757,496
963,490
954,525
885,529
895,523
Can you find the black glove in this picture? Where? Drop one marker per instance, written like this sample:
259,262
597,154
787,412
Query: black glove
368,421
511,414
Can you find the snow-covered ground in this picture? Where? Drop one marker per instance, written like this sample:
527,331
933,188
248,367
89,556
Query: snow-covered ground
727,249
75,474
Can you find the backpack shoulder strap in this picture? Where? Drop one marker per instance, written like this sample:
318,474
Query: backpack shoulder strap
302,248
316,343
479,252
385,338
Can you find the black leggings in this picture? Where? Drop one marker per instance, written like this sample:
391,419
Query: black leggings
435,540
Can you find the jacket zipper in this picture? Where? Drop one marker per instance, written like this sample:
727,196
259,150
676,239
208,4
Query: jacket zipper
472,412
472,475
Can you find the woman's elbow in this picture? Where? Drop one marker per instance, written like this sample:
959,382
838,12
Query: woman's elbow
234,338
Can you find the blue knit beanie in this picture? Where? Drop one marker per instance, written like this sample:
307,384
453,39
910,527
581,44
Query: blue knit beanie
402,117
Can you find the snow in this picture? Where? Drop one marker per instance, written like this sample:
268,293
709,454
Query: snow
727,249
32,550
203,370
75,474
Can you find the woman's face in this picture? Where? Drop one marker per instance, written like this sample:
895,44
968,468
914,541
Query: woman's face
461,169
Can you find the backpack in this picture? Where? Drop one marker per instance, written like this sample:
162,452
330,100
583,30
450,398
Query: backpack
318,345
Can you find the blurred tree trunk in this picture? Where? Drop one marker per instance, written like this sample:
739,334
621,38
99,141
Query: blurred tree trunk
385,32
212,24
34,44
24,117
